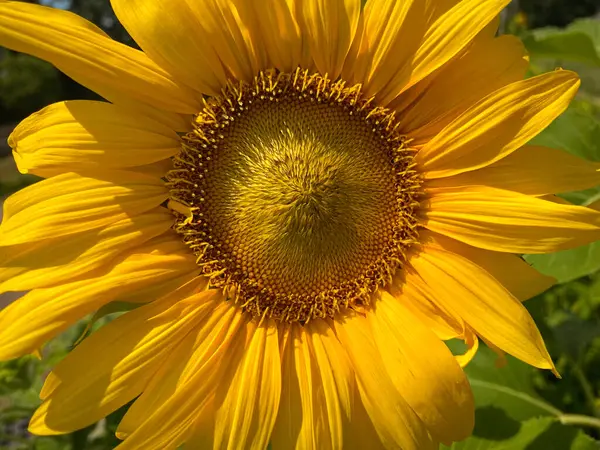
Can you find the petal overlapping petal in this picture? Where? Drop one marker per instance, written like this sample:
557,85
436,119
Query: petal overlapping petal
78,135
337,380
114,364
202,42
275,27
72,203
181,363
50,262
361,433
497,125
468,291
382,23
174,421
423,370
514,273
531,170
330,27
441,322
487,65
396,423
317,389
85,53
404,42
42,314
247,405
506,221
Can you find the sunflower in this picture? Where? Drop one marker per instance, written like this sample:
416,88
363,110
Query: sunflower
299,201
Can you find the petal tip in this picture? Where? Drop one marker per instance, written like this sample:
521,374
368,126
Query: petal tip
38,426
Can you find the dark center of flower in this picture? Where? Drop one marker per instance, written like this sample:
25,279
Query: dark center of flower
302,195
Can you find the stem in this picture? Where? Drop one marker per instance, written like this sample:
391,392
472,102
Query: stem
580,420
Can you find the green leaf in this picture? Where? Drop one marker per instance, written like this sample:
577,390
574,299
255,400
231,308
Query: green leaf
572,44
492,432
112,308
570,264
590,27
577,131
569,46
508,389
511,416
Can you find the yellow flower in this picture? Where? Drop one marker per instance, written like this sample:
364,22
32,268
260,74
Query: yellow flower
304,198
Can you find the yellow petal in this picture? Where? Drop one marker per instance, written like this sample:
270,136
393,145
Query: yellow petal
361,434
151,292
314,431
71,203
202,434
291,421
329,27
202,42
410,98
53,261
69,136
441,322
310,413
423,369
498,125
447,31
470,292
114,364
274,26
337,379
472,342
39,316
488,65
437,320
90,57
516,275
179,366
173,422
491,29
246,416
159,388
178,122
531,170
389,33
396,423
507,221
157,169
380,36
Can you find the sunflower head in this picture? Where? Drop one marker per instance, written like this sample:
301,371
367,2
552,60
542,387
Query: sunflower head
301,195
299,201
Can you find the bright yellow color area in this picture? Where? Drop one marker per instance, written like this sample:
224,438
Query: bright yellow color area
207,371
298,196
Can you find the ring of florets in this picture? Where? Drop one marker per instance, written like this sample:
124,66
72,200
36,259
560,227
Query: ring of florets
216,254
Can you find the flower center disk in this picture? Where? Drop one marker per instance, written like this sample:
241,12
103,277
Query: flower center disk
300,195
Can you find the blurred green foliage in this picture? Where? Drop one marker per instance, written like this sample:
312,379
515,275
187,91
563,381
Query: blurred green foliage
519,407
